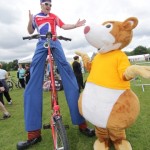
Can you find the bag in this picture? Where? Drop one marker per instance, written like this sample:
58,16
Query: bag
46,86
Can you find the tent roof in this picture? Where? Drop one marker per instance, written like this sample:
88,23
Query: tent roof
27,59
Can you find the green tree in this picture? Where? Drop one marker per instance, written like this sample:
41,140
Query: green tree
148,49
140,50
10,65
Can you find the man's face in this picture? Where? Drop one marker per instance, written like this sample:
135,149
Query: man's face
46,7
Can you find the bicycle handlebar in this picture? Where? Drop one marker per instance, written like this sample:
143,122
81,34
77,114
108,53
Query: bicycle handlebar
37,36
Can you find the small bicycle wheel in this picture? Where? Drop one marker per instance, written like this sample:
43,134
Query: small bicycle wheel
61,135
10,85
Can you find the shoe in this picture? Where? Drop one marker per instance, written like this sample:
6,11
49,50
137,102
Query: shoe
10,103
88,132
5,116
26,144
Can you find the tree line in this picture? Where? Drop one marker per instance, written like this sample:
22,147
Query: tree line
140,50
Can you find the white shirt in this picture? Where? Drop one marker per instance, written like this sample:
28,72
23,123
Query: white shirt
3,74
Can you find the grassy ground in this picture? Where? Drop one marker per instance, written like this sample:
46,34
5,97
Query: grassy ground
12,130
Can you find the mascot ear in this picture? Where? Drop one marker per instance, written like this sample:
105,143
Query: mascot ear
130,23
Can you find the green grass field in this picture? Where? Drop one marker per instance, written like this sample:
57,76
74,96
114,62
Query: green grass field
12,129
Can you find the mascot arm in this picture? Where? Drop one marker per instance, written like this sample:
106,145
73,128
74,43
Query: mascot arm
134,70
86,60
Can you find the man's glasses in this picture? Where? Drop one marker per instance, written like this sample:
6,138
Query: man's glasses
47,4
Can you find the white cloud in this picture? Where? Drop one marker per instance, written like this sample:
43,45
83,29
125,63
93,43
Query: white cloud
14,19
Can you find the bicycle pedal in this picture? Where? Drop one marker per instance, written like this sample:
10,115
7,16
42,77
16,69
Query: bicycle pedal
66,126
46,126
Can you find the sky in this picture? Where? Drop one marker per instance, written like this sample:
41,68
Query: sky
14,20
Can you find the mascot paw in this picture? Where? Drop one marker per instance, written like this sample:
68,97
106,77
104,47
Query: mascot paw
124,145
100,145
134,70
80,53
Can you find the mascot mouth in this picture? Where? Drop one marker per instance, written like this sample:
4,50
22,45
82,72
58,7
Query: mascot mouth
86,29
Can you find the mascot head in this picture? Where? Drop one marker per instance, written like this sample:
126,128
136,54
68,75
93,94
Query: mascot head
111,35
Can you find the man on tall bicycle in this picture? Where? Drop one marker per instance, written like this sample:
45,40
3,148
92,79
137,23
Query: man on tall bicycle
46,22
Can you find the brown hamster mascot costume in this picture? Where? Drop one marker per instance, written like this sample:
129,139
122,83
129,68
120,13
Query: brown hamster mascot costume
107,100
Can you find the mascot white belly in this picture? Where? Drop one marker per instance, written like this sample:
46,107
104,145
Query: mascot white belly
100,100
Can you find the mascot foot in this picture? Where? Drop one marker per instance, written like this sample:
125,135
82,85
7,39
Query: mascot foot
124,145
100,145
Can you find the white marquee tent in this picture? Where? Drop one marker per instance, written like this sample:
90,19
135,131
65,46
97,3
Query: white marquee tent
27,59
139,57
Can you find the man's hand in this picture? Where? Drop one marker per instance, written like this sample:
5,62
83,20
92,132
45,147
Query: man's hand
80,53
30,28
30,16
80,23
2,89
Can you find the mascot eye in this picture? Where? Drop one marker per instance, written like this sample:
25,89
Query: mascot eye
108,25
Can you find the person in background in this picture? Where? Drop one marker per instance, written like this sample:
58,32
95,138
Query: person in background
47,69
27,73
46,22
2,107
21,74
3,78
78,72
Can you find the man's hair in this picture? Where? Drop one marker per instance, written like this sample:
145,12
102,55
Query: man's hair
42,1
27,65
76,57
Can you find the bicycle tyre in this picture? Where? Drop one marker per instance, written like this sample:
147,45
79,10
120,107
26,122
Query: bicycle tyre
61,135
10,85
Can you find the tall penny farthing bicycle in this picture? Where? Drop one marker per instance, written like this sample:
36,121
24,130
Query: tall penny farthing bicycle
59,135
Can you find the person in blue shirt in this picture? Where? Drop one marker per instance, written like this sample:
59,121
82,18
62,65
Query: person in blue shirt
21,75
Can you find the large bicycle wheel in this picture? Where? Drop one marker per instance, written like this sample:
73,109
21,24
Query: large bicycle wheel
10,85
61,135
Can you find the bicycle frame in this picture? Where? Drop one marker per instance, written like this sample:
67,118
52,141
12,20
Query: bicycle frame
54,98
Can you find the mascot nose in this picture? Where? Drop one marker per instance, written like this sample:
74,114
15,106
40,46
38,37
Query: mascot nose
86,29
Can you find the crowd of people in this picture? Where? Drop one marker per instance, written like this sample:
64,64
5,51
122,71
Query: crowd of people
23,75
6,114
3,78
